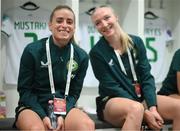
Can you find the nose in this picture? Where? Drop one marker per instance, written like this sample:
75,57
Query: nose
104,23
64,24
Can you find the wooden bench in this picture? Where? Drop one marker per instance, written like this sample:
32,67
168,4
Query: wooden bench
7,123
104,125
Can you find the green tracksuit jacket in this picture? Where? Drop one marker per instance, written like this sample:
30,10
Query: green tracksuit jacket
112,81
33,81
169,85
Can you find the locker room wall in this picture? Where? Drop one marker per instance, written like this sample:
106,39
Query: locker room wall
171,7
11,90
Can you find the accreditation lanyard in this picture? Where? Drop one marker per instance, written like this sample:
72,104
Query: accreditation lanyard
50,68
130,61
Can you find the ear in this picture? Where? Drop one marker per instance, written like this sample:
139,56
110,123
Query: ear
117,18
50,26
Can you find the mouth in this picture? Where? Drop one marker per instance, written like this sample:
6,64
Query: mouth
63,31
107,29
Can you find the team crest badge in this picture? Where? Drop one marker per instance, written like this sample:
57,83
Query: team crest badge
74,65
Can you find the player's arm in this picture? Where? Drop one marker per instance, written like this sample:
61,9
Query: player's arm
176,68
178,81
28,97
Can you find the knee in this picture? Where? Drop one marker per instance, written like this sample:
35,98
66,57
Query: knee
37,127
90,124
87,124
30,126
136,109
177,110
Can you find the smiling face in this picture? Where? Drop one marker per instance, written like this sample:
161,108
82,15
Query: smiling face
105,21
62,26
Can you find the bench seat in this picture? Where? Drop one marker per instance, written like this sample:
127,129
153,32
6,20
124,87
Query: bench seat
6,124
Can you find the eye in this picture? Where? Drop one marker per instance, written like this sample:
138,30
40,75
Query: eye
59,20
70,21
107,17
97,23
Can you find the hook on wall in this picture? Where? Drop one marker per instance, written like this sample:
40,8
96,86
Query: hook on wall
149,14
29,6
108,2
94,1
161,4
149,3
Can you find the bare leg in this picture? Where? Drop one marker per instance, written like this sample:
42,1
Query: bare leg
77,120
124,113
169,108
29,120
177,96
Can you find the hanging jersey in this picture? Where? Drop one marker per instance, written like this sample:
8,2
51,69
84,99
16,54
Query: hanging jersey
88,38
157,35
22,27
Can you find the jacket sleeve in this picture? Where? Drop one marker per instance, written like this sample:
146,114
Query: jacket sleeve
109,86
77,83
25,84
143,72
175,61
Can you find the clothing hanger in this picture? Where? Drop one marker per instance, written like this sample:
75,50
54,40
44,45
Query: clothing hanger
29,6
90,11
149,14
